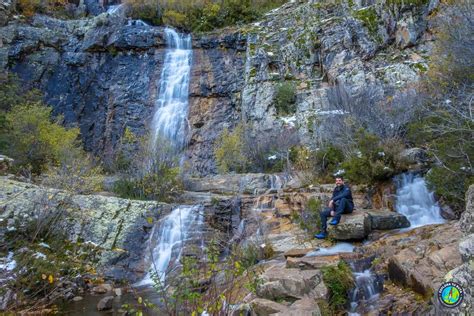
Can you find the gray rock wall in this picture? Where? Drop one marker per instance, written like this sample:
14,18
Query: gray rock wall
102,73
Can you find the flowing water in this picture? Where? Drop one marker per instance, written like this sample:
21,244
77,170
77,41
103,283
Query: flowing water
114,9
171,109
416,202
167,240
338,248
368,286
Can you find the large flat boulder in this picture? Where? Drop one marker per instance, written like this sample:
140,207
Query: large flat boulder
279,282
306,306
317,262
264,307
355,226
386,220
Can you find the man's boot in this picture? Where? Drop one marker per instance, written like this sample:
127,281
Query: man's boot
321,235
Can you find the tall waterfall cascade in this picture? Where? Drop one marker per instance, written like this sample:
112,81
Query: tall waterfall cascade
416,202
171,108
167,239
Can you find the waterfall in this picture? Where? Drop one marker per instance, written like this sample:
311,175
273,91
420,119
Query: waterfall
171,109
368,287
365,292
416,202
169,236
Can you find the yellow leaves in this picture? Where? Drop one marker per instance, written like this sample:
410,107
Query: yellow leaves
140,300
237,265
49,277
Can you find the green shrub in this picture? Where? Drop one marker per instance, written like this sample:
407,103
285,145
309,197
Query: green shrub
35,139
285,98
374,160
339,281
229,151
145,173
12,93
76,172
56,8
309,219
369,18
200,15
318,164
161,185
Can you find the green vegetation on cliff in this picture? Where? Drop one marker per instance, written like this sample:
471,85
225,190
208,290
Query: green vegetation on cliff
200,15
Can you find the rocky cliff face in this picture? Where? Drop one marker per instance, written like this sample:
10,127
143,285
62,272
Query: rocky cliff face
102,73
118,227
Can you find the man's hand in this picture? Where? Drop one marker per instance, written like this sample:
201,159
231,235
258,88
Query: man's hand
333,213
331,203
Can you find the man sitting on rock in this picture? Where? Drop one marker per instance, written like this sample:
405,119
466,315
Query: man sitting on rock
341,203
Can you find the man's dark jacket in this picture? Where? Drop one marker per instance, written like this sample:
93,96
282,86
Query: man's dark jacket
342,191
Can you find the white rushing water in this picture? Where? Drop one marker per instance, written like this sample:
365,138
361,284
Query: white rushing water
365,287
114,9
167,239
171,109
338,248
416,202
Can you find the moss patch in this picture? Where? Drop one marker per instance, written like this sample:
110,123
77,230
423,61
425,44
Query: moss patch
369,18
339,281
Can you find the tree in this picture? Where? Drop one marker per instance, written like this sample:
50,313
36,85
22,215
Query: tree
35,139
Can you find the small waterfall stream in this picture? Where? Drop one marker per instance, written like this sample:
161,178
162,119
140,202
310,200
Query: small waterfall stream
167,239
171,108
169,124
368,287
416,202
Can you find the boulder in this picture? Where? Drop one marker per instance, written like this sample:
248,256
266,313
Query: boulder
386,220
355,226
447,212
279,282
106,303
264,307
419,265
306,306
414,156
102,289
466,248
